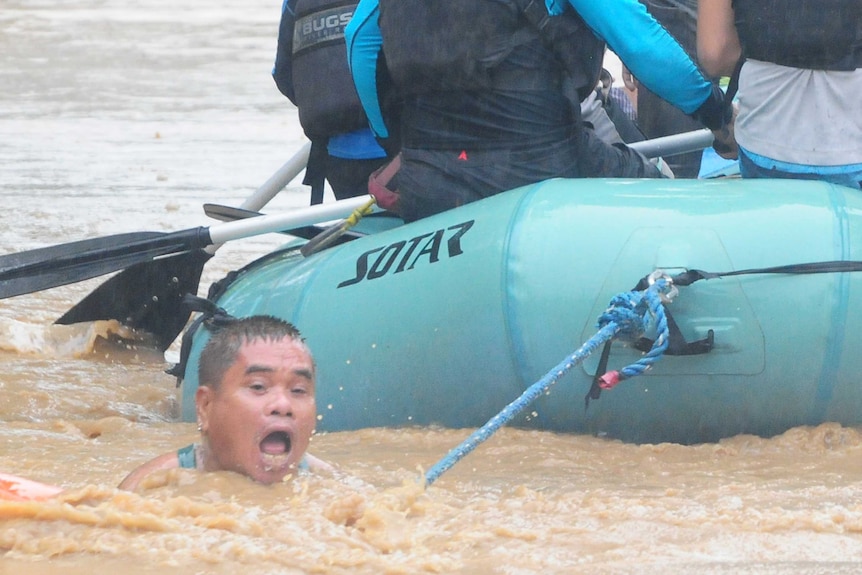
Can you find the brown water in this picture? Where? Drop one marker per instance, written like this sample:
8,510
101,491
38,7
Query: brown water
117,118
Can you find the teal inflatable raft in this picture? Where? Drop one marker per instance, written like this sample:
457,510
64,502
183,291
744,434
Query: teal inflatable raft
446,320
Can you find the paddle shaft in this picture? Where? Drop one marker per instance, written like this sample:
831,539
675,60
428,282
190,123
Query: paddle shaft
674,144
229,231
277,182
231,214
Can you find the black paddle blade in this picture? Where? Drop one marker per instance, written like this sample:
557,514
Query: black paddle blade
44,268
146,296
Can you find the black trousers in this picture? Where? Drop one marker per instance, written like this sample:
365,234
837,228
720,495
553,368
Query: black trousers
432,181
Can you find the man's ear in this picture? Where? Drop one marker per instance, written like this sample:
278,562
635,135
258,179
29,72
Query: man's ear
203,400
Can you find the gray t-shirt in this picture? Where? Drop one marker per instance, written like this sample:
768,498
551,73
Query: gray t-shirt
810,117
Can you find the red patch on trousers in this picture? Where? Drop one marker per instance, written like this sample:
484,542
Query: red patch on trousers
463,156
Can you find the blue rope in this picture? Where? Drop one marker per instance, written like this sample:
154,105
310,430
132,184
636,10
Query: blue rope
626,315
629,311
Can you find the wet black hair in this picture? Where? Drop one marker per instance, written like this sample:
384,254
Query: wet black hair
228,337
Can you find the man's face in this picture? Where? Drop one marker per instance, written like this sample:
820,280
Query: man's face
260,419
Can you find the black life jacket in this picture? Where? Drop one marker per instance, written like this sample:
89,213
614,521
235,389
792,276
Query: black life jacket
323,87
809,34
459,44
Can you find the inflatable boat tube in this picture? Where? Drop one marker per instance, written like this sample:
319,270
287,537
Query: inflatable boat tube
446,320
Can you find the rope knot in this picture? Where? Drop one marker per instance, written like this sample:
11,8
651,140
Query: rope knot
628,311
631,312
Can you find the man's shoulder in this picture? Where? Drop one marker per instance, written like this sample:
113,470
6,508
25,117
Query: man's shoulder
165,461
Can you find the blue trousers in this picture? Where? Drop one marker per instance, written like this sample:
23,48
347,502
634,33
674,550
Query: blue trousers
755,166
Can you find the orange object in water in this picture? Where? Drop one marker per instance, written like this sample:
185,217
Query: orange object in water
14,488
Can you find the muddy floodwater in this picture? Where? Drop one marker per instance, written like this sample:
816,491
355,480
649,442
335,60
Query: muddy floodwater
119,117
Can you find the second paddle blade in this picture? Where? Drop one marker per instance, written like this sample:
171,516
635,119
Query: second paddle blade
146,296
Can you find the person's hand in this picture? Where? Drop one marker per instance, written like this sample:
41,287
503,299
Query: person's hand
725,141
630,81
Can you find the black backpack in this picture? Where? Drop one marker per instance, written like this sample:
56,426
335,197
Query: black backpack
809,34
311,67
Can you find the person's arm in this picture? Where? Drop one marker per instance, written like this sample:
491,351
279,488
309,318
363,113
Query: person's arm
657,60
166,461
718,47
654,57
364,43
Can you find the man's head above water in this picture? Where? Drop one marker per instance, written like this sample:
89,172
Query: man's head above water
255,404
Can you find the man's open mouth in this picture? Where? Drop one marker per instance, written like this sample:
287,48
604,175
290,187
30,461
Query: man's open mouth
276,443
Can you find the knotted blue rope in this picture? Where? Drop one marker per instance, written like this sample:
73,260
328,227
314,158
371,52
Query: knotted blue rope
628,310
627,315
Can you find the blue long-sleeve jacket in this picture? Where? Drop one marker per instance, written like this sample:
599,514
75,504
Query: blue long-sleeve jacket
652,55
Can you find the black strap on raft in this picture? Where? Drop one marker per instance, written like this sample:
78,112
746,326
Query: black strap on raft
688,277
595,391
677,344
211,316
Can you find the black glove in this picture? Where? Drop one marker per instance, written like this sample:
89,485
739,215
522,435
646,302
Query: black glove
715,113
